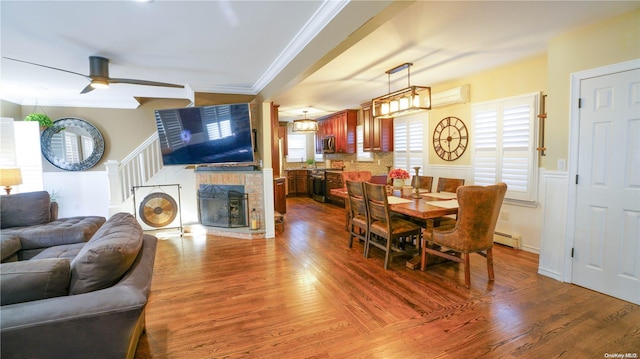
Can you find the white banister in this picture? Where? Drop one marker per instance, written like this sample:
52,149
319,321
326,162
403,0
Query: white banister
136,169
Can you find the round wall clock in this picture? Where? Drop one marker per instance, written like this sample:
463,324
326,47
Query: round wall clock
450,138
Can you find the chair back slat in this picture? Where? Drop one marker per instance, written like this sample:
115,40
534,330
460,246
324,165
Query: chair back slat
377,202
424,182
357,204
449,184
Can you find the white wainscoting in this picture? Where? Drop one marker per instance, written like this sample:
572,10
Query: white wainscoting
80,193
553,198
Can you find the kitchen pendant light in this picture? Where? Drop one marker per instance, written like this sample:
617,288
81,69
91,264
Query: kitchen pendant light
305,125
402,102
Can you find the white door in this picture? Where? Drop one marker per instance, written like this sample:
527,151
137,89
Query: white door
607,229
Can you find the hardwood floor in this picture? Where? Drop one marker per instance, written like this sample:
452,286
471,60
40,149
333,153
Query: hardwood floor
305,294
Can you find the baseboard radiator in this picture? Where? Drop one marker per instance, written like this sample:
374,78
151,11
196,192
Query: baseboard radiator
508,239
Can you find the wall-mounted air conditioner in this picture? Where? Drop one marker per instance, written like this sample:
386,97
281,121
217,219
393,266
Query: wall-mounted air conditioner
508,239
450,97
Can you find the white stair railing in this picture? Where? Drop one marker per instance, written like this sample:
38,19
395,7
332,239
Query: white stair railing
136,169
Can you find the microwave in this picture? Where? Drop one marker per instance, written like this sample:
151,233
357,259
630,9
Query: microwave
329,144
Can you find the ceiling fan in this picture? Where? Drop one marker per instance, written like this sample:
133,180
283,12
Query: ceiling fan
99,75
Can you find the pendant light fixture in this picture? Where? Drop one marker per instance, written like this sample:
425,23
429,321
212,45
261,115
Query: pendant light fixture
402,102
305,125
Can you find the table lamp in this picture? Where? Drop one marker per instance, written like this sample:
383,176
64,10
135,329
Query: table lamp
10,177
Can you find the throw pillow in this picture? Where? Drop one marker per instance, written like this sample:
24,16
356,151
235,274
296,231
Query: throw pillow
107,256
33,280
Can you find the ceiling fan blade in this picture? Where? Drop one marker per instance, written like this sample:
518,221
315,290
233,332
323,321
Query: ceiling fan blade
87,89
48,67
143,82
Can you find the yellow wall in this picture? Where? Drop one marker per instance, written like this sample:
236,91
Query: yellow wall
609,42
10,110
524,77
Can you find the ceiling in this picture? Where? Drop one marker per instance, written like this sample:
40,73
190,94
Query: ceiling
303,55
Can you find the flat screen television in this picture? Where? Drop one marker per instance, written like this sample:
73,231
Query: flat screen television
206,135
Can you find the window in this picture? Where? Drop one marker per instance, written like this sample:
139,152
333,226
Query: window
360,154
504,145
297,148
20,147
409,141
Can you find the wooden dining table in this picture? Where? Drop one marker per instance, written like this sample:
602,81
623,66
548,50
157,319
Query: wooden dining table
421,208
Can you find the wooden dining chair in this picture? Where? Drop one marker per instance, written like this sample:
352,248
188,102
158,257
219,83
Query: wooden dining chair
449,184
478,209
387,232
357,208
423,182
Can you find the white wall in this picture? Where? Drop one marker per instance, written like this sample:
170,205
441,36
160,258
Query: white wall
80,193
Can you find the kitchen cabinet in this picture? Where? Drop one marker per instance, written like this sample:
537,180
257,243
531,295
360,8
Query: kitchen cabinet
342,125
377,132
280,195
282,134
297,182
334,180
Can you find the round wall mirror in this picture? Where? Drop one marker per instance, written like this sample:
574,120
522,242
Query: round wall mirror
72,144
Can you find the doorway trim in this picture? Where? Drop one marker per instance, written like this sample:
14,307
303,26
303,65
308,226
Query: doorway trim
574,115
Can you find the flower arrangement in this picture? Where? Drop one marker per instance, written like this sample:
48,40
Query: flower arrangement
399,173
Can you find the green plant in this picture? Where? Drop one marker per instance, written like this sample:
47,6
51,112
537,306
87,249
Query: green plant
44,120
54,195
311,161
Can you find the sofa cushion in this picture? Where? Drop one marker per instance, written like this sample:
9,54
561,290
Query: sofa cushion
25,209
63,231
107,255
33,280
69,251
9,246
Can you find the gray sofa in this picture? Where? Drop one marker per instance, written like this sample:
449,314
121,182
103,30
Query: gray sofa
29,224
79,300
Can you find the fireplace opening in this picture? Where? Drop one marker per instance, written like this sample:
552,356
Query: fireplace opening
223,206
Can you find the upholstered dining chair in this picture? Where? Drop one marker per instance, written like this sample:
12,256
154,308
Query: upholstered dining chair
423,182
389,233
357,207
478,209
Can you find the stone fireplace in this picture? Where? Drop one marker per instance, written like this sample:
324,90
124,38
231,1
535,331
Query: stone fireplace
216,181
223,206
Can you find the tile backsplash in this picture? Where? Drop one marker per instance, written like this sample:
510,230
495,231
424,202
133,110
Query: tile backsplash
379,165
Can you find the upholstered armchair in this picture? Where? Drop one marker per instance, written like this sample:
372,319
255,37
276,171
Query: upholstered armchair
478,209
356,176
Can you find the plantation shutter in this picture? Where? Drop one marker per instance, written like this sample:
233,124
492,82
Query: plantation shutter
504,145
362,156
408,137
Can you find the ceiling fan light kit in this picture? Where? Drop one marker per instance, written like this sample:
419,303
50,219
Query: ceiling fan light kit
99,84
402,102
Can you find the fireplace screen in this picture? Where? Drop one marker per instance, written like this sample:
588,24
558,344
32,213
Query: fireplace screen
223,206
